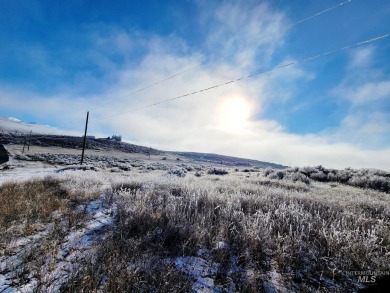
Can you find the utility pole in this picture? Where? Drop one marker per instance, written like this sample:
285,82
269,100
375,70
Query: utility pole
150,150
85,138
29,141
24,144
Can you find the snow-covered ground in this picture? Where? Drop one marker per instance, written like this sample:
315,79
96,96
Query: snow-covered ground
248,202
78,247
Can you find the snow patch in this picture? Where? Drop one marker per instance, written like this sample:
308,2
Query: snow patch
79,246
14,119
201,270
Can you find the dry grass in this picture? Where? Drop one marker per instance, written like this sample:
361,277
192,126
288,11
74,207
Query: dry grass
35,217
311,234
308,238
33,200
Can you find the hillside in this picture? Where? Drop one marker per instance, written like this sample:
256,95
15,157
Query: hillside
74,142
227,160
13,131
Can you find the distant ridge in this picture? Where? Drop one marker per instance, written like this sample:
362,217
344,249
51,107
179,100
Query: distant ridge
12,131
227,160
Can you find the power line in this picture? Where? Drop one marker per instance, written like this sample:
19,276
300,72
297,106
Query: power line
257,74
309,17
319,13
330,52
202,63
222,56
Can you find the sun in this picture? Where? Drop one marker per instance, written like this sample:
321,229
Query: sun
234,113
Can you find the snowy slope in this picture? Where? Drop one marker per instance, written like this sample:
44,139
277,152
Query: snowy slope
14,125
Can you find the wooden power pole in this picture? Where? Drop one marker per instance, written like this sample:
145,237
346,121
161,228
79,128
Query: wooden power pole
24,144
29,141
85,138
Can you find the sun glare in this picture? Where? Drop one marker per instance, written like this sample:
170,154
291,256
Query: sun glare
234,113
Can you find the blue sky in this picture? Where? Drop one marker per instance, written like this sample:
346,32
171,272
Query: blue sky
59,59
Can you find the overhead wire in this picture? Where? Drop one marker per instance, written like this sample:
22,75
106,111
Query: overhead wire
321,12
330,52
221,56
202,63
311,58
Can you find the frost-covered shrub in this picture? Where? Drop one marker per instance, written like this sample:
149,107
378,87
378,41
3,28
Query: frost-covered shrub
364,178
298,177
250,170
158,166
189,168
379,183
216,171
308,170
332,176
101,164
124,167
199,173
177,172
343,176
199,168
292,170
319,176
280,174
375,172
268,171
273,176
136,164
22,157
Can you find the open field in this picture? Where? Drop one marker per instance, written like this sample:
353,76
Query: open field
124,223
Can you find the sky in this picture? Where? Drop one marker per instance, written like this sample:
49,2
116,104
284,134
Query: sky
60,59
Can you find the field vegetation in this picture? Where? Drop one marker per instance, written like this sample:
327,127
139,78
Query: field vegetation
190,228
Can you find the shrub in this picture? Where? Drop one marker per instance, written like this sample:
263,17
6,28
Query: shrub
280,174
298,177
178,172
216,171
343,176
319,176
364,178
268,171
199,173
273,176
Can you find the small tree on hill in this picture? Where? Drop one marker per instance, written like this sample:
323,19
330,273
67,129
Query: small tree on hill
117,137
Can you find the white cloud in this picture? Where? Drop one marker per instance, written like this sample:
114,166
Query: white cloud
193,123
370,130
366,93
64,109
361,57
246,28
